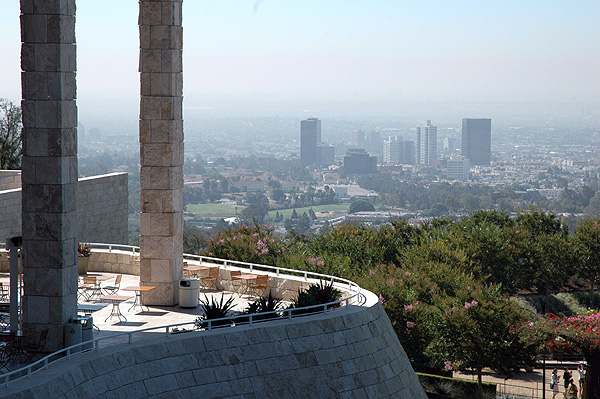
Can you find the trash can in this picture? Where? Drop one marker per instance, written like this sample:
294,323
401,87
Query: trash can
72,334
188,292
87,330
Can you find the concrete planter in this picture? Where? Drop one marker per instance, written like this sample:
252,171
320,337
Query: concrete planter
82,264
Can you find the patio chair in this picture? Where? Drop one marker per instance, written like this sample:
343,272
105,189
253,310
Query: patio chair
259,285
236,281
94,287
211,279
113,289
4,293
82,290
35,348
5,350
186,272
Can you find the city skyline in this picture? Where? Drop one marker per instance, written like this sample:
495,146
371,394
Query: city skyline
361,52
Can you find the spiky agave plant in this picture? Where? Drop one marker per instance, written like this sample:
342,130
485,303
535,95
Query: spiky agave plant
324,292
264,304
215,310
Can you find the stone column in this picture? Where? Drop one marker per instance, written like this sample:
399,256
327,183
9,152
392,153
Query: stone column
49,166
161,149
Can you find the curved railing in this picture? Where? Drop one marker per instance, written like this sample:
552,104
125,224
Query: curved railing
197,326
244,265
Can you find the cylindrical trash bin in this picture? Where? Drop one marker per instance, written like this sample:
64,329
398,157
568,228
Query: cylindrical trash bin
87,329
72,334
188,292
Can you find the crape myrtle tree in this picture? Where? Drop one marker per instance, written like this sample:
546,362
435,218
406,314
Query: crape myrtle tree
10,135
475,330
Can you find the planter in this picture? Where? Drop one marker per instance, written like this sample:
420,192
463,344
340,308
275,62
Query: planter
82,264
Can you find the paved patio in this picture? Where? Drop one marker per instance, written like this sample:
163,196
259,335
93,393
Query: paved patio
152,316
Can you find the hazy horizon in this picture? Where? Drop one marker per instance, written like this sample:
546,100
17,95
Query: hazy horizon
340,51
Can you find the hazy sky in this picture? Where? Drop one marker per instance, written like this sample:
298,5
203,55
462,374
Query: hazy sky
330,50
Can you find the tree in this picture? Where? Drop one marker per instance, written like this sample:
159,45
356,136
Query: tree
254,213
10,135
587,251
194,240
360,205
278,195
481,333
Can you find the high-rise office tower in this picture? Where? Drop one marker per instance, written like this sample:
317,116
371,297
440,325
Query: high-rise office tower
477,140
426,145
457,168
358,162
310,137
397,151
358,138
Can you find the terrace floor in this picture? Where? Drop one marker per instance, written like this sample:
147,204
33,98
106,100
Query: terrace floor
151,316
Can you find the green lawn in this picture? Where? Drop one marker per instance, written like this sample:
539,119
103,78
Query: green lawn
213,210
224,211
318,208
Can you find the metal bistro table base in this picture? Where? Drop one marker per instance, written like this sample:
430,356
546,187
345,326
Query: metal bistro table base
116,310
138,295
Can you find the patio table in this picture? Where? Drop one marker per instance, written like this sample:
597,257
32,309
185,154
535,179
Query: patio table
116,301
138,295
247,279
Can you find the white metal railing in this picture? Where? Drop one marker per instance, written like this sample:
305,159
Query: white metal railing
199,325
226,263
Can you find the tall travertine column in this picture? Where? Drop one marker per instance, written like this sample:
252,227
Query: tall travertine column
161,149
49,168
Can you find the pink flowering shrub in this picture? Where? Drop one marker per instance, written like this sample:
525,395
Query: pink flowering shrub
247,244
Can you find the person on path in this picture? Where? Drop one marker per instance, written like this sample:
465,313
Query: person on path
554,383
571,391
581,372
566,380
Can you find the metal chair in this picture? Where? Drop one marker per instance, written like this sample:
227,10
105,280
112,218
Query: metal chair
34,349
94,287
4,292
259,285
113,289
211,279
236,281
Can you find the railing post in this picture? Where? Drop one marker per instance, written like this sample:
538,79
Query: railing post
250,320
130,338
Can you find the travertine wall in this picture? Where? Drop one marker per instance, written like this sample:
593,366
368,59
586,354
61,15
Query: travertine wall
161,149
346,354
102,207
49,166
10,179
10,213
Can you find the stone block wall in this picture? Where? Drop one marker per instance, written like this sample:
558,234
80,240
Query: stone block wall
346,354
10,179
161,148
101,211
10,213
